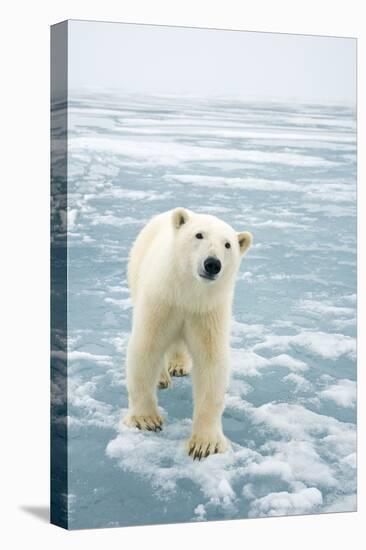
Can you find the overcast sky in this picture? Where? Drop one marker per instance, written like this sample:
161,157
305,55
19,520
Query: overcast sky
176,60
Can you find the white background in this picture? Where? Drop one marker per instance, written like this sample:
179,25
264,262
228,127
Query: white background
24,272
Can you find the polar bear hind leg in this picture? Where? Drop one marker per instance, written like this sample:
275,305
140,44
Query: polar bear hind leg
178,360
165,380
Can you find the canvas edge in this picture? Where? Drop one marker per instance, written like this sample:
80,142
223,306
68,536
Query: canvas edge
59,506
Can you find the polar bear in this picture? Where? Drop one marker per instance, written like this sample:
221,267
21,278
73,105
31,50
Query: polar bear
181,275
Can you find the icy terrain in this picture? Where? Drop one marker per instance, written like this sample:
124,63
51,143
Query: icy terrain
286,173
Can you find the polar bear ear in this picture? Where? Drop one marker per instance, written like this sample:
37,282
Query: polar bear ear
245,241
180,216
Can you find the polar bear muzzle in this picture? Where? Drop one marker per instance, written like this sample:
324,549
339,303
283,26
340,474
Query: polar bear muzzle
211,268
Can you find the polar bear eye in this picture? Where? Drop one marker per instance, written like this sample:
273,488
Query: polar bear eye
227,245
199,236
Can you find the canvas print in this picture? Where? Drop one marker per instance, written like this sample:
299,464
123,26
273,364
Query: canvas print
203,274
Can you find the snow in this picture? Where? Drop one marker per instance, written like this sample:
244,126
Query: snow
288,175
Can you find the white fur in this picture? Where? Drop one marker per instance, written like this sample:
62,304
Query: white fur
180,317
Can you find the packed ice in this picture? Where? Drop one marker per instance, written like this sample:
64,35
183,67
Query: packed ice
285,172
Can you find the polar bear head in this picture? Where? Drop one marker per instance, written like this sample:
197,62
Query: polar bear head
209,249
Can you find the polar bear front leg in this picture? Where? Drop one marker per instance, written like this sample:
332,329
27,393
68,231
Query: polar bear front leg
208,341
151,334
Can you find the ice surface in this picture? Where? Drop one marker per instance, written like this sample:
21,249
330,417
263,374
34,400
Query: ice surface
286,173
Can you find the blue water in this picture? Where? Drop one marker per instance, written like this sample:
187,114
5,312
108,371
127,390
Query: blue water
285,172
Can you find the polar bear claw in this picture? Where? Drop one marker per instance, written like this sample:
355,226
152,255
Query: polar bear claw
202,447
146,423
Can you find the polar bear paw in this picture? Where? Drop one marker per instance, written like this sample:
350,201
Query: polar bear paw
165,381
153,423
179,365
201,447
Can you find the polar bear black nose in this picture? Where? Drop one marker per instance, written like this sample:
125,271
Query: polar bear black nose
212,265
